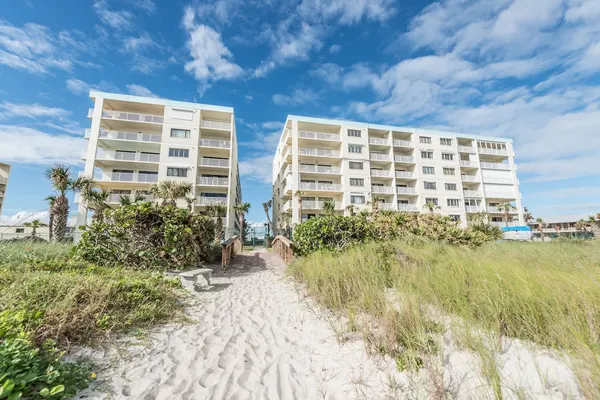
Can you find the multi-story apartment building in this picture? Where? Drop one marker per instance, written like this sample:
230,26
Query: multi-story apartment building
135,142
4,173
355,163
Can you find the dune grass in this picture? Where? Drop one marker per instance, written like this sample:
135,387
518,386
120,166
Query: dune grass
546,293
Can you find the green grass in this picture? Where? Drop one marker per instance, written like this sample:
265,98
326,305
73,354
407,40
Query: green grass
547,293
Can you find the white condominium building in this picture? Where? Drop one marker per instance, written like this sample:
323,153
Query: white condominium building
135,142
355,164
4,173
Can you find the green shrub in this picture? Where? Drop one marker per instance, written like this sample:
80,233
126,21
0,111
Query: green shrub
148,235
491,231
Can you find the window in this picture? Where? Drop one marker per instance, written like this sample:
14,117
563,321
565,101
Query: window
357,182
432,200
181,172
180,133
446,142
429,170
455,218
427,154
355,148
357,199
424,139
453,202
429,185
450,186
20,230
449,171
179,153
447,156
354,132
355,165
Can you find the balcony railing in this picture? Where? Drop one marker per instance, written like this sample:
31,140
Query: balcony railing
469,178
328,187
130,177
147,178
387,206
380,157
379,141
129,116
407,207
3,180
500,210
214,162
500,195
222,144
504,224
381,173
124,135
405,174
305,151
473,209
320,169
403,143
468,164
207,181
467,149
405,159
126,156
319,135
116,198
288,170
471,193
501,181
381,189
206,201
212,124
406,190
318,205
488,165
496,152
286,206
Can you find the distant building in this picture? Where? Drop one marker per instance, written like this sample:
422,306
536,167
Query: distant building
564,225
8,232
4,173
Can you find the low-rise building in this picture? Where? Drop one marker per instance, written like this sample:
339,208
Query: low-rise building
20,231
565,226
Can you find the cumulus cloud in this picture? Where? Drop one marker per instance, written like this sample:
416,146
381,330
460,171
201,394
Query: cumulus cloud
139,90
12,110
298,96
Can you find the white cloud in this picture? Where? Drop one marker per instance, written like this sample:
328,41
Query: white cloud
272,125
298,96
335,48
12,110
328,72
145,5
135,44
139,90
248,97
30,146
211,59
77,86
22,217
115,19
258,169
346,12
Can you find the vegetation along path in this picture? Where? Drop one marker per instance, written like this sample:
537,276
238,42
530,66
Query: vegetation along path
252,337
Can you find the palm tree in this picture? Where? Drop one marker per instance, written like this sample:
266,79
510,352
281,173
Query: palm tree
350,208
430,205
527,217
63,183
541,225
581,225
242,209
128,200
285,222
217,211
375,204
506,209
329,207
96,200
50,199
267,206
171,191
34,225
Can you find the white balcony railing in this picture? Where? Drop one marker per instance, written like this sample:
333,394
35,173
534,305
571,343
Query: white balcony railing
467,149
469,178
403,143
407,207
129,116
496,152
406,190
468,164
3,180
387,206
319,169
127,156
287,171
319,135
380,157
500,210
501,181
471,193
222,144
286,206
305,151
214,162
208,181
318,205
206,201
505,224
381,189
405,174
381,173
147,178
327,187
129,177
405,159
124,135
500,195
473,209
121,177
488,165
212,124
116,198
379,141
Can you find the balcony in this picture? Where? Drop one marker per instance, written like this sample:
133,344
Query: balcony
207,201
380,157
403,143
287,171
318,205
467,149
494,152
129,116
287,206
381,173
471,193
221,144
500,210
3,180
469,178
405,175
206,181
500,195
116,198
319,136
126,156
473,209
504,224
381,189
128,136
406,190
500,181
305,151
130,177
379,141
387,206
407,207
319,169
489,165
214,162
323,187
468,164
212,124
404,159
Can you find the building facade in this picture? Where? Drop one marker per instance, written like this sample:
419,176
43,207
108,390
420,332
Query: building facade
135,142
4,173
354,164
20,231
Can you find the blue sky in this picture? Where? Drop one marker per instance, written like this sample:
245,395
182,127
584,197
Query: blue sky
524,69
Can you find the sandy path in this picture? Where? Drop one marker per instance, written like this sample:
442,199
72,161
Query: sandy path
253,338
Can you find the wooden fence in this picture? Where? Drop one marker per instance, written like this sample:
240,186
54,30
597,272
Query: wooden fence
283,246
230,248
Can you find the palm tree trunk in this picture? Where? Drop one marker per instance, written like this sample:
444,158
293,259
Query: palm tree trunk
50,224
61,215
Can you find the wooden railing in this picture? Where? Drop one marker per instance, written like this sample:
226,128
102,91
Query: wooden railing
283,246
230,248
